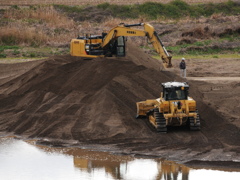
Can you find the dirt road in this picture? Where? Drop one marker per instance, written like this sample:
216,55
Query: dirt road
215,79
91,103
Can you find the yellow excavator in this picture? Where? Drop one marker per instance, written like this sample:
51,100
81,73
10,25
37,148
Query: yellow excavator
112,43
173,108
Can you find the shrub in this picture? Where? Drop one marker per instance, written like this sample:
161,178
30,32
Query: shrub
175,9
3,55
69,9
121,11
152,9
45,14
104,6
21,35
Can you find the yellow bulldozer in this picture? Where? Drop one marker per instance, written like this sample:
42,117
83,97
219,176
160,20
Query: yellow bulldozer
112,43
173,108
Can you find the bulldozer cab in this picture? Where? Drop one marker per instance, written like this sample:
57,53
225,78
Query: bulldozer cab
175,91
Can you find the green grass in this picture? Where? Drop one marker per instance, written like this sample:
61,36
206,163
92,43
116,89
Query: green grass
69,9
2,55
2,48
203,56
14,49
175,9
207,46
30,52
31,21
199,51
231,36
203,48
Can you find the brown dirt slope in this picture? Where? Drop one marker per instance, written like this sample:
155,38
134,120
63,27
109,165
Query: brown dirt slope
10,71
93,101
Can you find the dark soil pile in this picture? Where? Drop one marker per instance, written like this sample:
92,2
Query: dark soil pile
10,71
93,101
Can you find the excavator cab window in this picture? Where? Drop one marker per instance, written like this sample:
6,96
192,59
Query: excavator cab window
120,47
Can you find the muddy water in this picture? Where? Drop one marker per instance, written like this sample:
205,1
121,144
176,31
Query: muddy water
23,160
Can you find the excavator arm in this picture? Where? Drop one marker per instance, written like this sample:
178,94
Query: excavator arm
126,30
158,45
122,30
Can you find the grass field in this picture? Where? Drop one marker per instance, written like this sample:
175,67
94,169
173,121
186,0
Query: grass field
94,2
48,29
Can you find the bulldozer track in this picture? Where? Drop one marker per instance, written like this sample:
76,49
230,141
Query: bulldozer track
192,125
160,121
149,125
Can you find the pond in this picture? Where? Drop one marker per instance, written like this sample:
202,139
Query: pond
23,160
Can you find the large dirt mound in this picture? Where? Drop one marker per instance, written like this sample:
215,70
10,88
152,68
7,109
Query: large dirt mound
73,98
93,101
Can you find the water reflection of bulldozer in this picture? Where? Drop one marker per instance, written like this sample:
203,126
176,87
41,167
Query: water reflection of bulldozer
122,166
169,170
166,170
91,160
112,168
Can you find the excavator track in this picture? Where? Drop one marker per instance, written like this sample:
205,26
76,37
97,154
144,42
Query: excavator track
192,125
160,121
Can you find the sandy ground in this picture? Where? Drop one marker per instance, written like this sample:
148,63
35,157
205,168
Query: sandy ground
66,101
